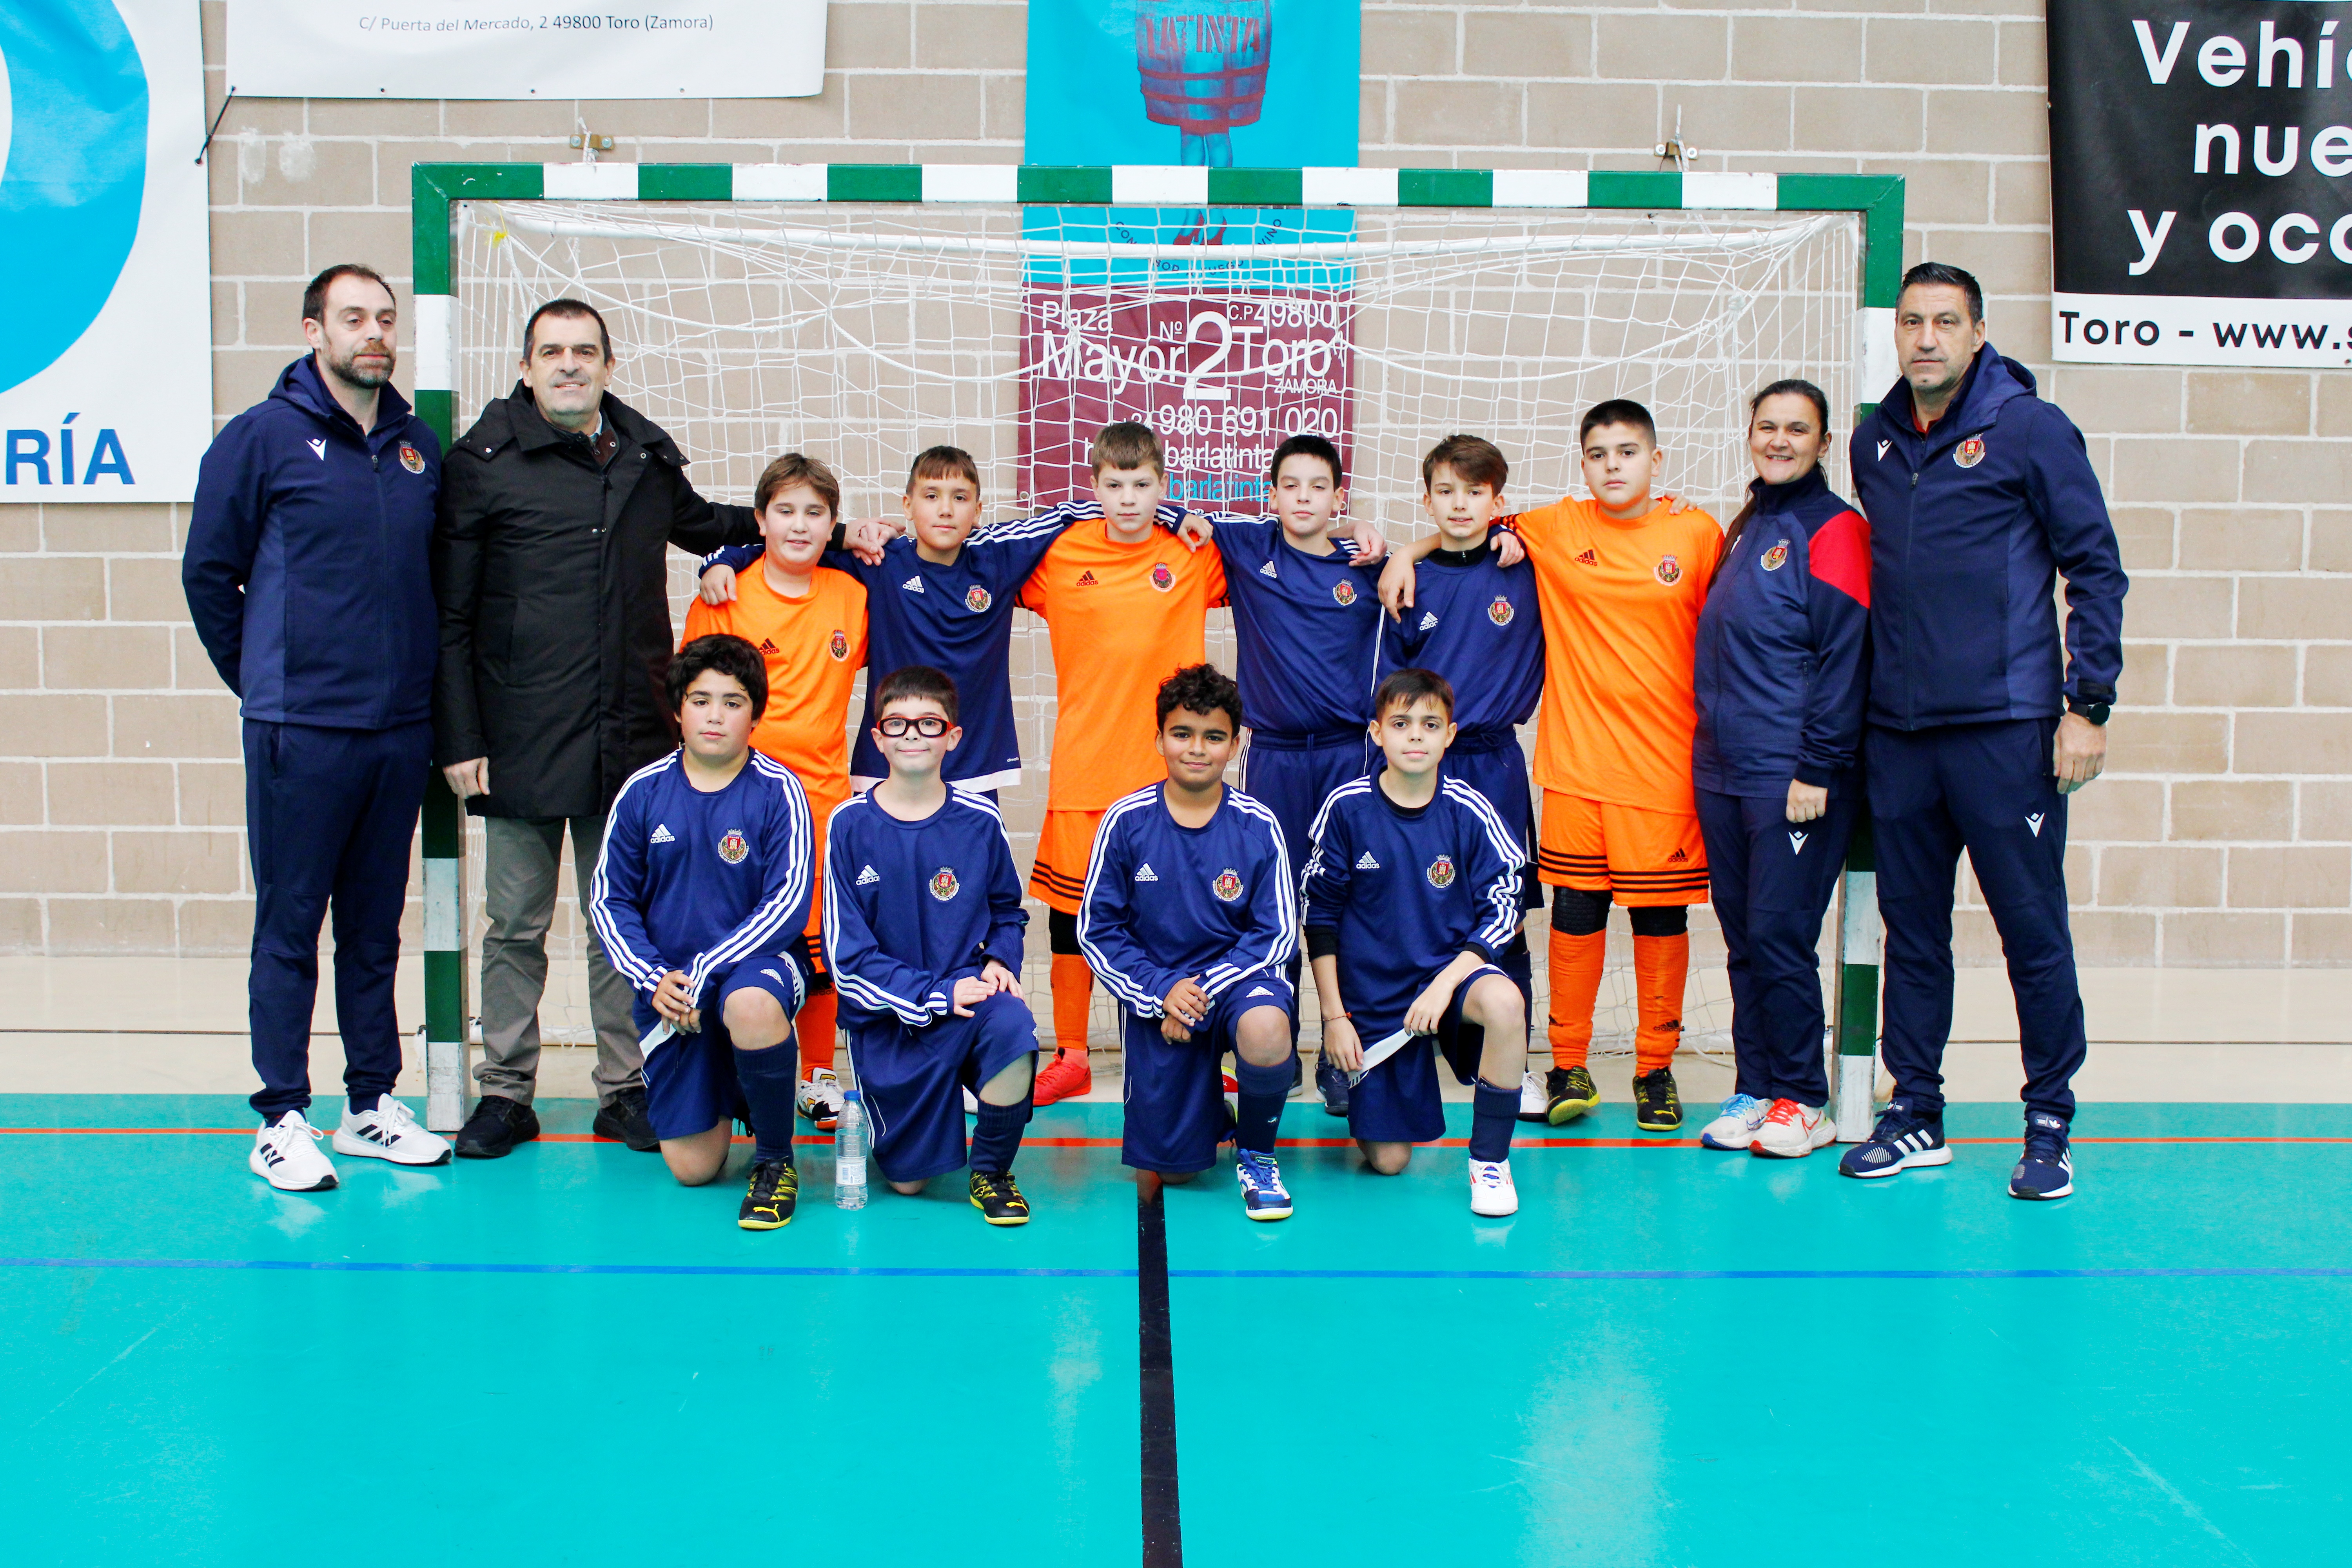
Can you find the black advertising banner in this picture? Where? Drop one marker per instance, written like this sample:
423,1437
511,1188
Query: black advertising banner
2201,212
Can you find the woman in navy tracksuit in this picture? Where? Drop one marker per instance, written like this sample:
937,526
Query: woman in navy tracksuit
1782,672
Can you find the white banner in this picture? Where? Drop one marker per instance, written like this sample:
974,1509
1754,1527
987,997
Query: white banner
2174,328
489,49
106,378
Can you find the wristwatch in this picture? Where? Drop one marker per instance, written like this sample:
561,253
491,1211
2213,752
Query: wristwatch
2096,712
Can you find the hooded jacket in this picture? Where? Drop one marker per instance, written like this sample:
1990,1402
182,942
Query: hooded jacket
307,567
553,575
1971,522
1783,659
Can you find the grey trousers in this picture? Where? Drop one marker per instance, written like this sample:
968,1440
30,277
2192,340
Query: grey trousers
521,875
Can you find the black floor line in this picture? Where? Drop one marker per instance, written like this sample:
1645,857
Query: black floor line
1163,1525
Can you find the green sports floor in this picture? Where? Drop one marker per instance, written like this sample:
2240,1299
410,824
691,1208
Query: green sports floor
1668,1357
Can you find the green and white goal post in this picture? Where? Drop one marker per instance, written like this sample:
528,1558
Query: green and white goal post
1456,324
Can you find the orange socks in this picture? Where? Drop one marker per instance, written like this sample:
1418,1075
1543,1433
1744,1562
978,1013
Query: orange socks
1575,987
814,1029
1074,986
1660,966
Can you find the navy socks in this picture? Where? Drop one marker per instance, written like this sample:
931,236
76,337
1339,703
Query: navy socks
1263,1092
996,1133
769,1079
1492,1113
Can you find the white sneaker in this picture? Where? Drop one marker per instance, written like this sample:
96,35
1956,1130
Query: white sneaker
286,1155
387,1131
1492,1194
821,1100
1735,1125
1791,1131
1535,1105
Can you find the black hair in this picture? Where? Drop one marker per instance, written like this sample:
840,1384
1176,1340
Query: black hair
314,296
1617,411
1787,386
1407,687
567,307
1935,274
1305,446
1202,689
730,655
917,680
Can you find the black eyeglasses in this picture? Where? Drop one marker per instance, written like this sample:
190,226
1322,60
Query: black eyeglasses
930,726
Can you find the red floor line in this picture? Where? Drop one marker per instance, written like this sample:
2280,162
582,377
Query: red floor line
1286,1143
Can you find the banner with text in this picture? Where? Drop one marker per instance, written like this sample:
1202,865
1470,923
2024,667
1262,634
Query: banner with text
484,49
106,379
2199,208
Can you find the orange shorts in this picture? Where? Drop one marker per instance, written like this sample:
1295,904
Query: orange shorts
1063,846
1640,859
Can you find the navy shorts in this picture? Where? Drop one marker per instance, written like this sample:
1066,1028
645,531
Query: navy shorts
1397,1101
912,1079
1175,1094
1292,776
690,1078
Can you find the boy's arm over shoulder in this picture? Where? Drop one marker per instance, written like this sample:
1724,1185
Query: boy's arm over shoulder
617,893
1106,924
1273,934
734,557
789,853
862,972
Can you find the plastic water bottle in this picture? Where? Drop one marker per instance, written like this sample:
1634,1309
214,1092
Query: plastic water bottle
849,1155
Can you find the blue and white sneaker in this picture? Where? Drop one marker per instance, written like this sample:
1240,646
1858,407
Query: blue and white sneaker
1331,1083
2047,1170
1263,1195
1900,1142
1735,1124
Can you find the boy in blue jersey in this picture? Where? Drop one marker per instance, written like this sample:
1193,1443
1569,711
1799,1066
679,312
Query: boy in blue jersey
1474,621
1188,918
1413,892
700,896
923,925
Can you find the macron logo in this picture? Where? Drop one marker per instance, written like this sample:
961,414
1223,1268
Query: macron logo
868,876
662,834
317,449
1797,843
1266,570
1365,862
1881,449
912,585
1146,874
2034,822
1428,619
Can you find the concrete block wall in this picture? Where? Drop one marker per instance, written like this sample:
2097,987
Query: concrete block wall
2223,833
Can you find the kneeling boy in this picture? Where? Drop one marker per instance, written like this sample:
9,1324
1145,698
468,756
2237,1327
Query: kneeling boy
1412,894
1188,917
922,931
700,894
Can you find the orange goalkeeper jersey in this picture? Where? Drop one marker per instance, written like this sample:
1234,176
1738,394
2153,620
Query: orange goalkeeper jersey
1123,618
814,647
1621,602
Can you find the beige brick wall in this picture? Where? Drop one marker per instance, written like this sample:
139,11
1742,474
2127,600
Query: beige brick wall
2222,836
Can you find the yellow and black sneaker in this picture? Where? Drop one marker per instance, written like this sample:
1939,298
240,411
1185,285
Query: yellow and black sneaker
1657,1104
1569,1094
998,1198
771,1195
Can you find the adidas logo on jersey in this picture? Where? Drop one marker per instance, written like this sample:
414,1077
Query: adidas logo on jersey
868,876
1144,873
766,645
1085,580
1266,570
1365,862
1587,558
1678,855
1428,619
1260,991
912,585
662,834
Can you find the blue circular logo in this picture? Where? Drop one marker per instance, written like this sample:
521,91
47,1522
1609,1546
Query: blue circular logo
76,172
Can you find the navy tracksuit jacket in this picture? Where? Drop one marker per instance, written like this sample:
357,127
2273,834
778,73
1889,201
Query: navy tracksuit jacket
1781,671
307,576
1971,523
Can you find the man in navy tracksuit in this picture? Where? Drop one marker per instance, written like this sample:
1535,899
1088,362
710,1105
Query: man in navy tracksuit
307,576
1980,725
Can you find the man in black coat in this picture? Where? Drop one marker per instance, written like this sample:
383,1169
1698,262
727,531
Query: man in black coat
558,509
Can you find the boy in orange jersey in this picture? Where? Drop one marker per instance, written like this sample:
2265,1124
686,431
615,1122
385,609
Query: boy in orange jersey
1620,578
808,621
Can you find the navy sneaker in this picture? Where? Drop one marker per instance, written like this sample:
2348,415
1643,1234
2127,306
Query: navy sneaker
1331,1083
1263,1195
2047,1170
1900,1142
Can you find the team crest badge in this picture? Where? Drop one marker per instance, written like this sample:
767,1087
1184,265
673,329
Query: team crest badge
1228,885
1162,577
411,458
943,884
1670,571
1776,557
1441,872
1344,591
1970,453
733,847
1501,611
976,599
840,645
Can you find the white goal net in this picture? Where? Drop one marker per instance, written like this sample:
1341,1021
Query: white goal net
862,333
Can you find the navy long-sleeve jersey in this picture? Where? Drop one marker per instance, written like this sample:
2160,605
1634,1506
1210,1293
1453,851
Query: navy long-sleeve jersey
910,908
1475,622
1397,892
1307,627
701,881
1165,902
